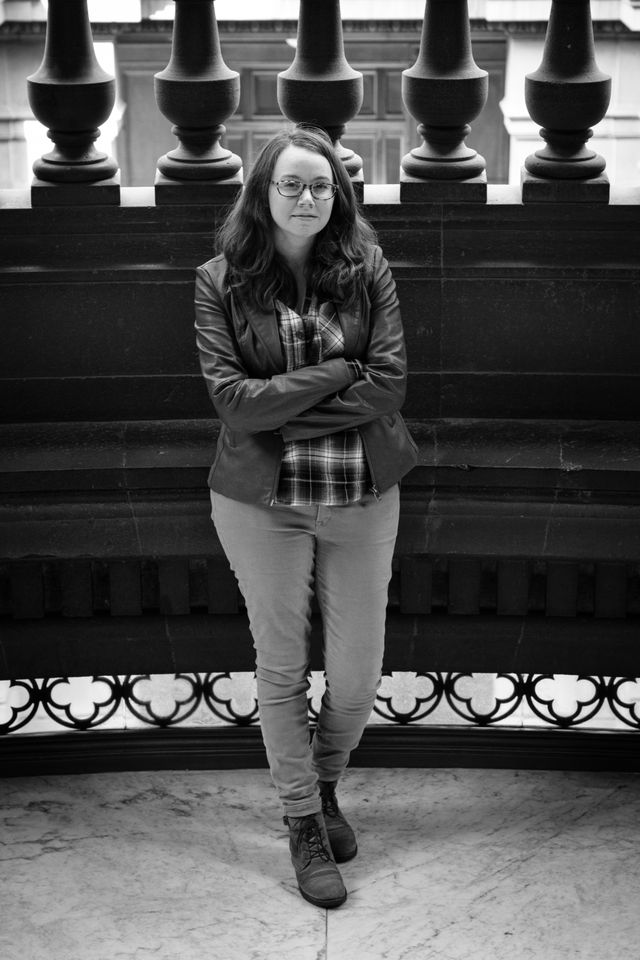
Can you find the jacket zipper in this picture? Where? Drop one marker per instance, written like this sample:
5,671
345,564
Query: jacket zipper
374,487
274,488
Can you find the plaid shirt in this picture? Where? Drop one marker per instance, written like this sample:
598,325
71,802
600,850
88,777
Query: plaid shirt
331,469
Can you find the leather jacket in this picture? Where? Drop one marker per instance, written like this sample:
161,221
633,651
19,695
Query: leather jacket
260,405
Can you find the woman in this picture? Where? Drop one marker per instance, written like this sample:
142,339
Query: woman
301,347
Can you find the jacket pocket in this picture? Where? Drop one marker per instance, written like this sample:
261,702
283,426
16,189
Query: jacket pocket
407,432
391,450
220,445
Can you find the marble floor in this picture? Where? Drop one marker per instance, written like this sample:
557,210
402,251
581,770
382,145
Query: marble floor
453,865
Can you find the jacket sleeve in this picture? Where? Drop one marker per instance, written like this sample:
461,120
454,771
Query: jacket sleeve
382,387
247,403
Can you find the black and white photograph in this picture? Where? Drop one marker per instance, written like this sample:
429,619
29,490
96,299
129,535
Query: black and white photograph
320,479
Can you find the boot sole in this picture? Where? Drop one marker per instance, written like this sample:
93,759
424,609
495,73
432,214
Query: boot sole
328,904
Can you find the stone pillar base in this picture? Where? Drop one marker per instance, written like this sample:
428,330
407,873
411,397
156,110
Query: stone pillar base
539,190
169,191
44,193
415,190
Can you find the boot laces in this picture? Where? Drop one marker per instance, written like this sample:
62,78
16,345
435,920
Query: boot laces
330,804
312,836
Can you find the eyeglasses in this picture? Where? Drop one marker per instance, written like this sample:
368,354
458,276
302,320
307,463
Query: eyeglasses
291,187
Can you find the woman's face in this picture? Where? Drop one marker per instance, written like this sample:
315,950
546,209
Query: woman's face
300,218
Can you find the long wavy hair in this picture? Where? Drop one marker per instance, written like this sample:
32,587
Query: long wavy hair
246,237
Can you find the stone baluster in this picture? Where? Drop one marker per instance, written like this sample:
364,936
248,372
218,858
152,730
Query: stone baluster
72,95
444,90
320,87
567,95
197,91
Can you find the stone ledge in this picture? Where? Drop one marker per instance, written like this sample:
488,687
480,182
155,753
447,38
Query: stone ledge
528,489
203,643
420,746
50,450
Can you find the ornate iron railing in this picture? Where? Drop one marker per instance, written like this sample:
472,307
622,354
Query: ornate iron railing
403,699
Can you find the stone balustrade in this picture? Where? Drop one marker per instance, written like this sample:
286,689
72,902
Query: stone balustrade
567,95
320,87
444,90
72,95
197,92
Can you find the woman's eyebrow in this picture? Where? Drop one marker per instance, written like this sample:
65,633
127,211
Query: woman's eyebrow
296,176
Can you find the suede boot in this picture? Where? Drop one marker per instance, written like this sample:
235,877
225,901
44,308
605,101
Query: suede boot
318,877
341,837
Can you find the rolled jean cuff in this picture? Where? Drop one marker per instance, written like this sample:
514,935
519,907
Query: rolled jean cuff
302,808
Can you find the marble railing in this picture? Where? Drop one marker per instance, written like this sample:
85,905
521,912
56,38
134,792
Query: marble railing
444,90
518,555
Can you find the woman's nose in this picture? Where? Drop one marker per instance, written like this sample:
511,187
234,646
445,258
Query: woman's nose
306,196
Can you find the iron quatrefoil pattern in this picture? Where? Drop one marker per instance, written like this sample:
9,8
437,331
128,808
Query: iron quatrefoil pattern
162,700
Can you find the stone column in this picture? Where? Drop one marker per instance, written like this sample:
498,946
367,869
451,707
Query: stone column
320,87
72,95
197,91
444,90
567,95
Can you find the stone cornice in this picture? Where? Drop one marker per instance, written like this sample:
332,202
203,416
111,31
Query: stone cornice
351,28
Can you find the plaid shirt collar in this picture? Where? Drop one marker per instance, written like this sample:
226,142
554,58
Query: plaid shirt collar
312,337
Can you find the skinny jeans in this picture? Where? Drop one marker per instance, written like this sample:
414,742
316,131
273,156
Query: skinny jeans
276,553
